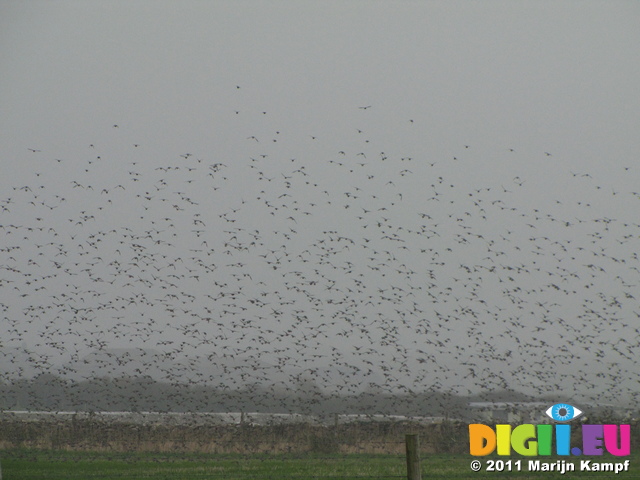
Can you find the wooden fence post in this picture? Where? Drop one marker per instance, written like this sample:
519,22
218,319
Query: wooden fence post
413,457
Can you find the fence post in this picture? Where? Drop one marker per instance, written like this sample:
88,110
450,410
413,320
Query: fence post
413,457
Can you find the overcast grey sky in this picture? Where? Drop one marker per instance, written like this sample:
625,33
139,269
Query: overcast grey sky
439,193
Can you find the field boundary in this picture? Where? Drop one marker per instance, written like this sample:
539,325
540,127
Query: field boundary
98,434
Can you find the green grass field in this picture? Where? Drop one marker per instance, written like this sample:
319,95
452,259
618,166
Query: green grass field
26,464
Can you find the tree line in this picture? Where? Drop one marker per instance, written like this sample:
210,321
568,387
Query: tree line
48,392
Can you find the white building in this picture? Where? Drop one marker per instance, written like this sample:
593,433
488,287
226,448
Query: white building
510,412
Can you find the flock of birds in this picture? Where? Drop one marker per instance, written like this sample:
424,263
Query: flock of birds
330,259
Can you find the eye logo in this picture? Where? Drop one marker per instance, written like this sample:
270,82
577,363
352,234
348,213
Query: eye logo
563,412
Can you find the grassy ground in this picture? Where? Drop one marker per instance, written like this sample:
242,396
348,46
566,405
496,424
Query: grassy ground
37,464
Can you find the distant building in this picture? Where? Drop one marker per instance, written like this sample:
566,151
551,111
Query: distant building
509,412
534,412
